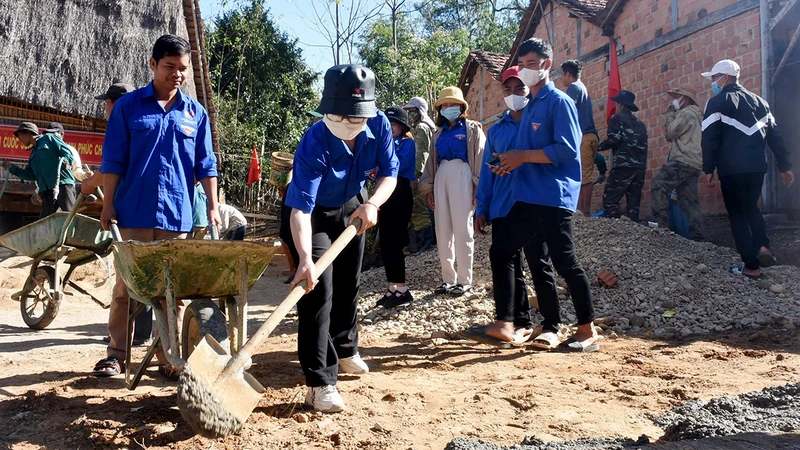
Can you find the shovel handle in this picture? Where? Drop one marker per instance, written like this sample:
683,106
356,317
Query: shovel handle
238,361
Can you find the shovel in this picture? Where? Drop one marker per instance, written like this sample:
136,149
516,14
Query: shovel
215,396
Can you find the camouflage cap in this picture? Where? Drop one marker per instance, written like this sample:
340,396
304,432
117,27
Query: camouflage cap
27,126
685,91
115,91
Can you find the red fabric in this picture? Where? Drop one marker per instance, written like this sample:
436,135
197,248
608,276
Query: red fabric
254,174
614,85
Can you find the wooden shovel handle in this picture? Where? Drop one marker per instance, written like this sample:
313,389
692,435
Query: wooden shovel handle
238,361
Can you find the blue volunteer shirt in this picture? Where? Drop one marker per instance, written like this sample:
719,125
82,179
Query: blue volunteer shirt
327,173
578,93
407,155
549,123
494,192
157,154
452,142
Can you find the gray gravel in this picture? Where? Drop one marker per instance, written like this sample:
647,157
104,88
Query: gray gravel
668,286
532,443
773,409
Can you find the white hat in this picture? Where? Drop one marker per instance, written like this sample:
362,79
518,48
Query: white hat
724,67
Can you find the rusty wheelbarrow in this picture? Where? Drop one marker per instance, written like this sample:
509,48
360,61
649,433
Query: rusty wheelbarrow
193,271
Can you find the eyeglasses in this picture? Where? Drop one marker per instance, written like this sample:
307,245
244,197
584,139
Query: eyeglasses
353,120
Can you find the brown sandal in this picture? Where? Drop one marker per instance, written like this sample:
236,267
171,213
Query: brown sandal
108,367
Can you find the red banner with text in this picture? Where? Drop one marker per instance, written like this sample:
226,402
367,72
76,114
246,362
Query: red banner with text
89,145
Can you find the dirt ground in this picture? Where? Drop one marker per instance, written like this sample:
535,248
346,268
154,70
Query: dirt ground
419,394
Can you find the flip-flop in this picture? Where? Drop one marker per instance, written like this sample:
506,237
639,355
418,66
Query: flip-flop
574,346
548,340
108,367
478,334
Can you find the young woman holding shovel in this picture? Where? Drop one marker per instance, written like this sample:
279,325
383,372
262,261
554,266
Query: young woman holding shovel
352,144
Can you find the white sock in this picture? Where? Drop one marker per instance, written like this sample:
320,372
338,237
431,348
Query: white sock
402,289
392,287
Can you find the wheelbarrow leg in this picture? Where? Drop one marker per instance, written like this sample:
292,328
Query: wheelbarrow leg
151,351
131,318
171,348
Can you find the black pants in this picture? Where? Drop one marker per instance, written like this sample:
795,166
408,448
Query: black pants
65,200
285,231
741,193
237,234
393,219
544,281
623,182
143,326
327,328
523,223
521,315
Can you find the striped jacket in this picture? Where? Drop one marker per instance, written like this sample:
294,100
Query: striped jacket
736,127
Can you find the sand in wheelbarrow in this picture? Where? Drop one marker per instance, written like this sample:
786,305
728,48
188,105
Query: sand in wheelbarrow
202,410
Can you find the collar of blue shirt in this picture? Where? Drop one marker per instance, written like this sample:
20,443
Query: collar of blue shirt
149,91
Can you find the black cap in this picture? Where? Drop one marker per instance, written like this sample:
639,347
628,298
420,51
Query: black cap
349,91
115,91
626,98
398,115
27,126
55,127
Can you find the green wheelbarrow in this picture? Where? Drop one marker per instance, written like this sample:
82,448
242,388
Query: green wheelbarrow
197,272
60,239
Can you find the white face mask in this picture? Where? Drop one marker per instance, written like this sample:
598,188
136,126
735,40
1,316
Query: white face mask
676,104
532,77
516,102
344,130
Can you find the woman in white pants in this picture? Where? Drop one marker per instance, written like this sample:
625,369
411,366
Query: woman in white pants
449,182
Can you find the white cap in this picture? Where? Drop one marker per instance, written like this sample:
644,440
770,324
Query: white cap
724,67
416,102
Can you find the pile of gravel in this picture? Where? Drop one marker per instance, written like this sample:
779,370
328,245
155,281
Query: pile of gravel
772,409
668,286
532,443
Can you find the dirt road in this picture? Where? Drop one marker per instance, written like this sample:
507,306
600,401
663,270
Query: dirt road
420,394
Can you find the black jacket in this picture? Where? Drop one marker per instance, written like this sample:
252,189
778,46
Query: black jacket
736,127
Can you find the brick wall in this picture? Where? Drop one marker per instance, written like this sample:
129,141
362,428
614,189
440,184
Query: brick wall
650,75
491,95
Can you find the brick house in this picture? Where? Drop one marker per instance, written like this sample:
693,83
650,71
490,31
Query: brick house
480,83
662,43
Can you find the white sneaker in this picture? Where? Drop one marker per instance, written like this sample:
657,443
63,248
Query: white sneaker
353,364
325,399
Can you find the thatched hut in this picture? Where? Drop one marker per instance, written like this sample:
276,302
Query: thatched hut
58,54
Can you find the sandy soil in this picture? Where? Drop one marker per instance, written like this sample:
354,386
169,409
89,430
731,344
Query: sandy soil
419,395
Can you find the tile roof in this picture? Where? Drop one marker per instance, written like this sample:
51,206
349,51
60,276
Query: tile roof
492,62
585,8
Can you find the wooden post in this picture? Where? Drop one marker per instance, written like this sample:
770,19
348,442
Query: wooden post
768,189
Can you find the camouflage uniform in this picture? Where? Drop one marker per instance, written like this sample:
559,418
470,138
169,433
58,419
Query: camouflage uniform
627,138
680,172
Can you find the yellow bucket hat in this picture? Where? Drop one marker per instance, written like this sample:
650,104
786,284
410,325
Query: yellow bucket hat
451,94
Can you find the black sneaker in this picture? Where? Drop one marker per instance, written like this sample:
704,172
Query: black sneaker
443,289
399,298
382,300
460,290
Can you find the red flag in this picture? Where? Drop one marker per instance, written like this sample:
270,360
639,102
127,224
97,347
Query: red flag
254,174
614,85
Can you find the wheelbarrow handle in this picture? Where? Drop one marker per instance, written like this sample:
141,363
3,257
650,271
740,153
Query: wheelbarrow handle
238,361
115,232
63,235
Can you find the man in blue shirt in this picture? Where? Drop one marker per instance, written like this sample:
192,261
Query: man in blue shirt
158,141
546,177
351,145
493,204
571,80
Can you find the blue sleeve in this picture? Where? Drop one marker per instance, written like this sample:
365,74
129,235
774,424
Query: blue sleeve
388,164
407,155
486,180
566,131
205,162
116,145
309,168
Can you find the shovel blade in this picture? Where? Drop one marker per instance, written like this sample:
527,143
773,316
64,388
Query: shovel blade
238,393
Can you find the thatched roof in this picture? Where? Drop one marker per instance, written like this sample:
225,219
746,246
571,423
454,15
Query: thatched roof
61,53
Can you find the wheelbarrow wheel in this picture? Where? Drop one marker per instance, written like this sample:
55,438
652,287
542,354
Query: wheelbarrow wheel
38,306
202,317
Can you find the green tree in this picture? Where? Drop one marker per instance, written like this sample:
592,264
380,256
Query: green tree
417,66
490,25
262,91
